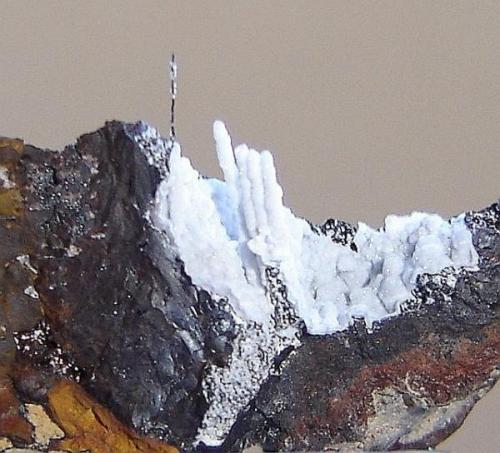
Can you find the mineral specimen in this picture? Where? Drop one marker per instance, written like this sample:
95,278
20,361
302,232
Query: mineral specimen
144,307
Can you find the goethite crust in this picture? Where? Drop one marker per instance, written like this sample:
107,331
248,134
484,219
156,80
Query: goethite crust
144,308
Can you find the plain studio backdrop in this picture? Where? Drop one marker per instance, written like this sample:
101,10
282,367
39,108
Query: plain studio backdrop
369,108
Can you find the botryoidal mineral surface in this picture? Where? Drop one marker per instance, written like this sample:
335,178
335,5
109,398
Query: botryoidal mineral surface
144,308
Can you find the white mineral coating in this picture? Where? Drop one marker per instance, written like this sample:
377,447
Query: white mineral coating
25,262
229,390
154,147
227,232
31,292
186,210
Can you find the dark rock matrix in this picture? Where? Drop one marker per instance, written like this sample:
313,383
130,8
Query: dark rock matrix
105,340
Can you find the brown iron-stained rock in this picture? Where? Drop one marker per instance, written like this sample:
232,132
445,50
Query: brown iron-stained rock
32,363
12,422
89,426
105,342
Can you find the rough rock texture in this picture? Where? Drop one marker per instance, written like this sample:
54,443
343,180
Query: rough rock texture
119,317
407,384
103,329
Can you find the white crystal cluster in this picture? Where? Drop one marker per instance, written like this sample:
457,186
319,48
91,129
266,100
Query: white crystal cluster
227,231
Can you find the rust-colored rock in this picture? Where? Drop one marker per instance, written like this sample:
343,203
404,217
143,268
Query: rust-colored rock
89,426
12,423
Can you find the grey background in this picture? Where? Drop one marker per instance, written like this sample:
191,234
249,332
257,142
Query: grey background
370,108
